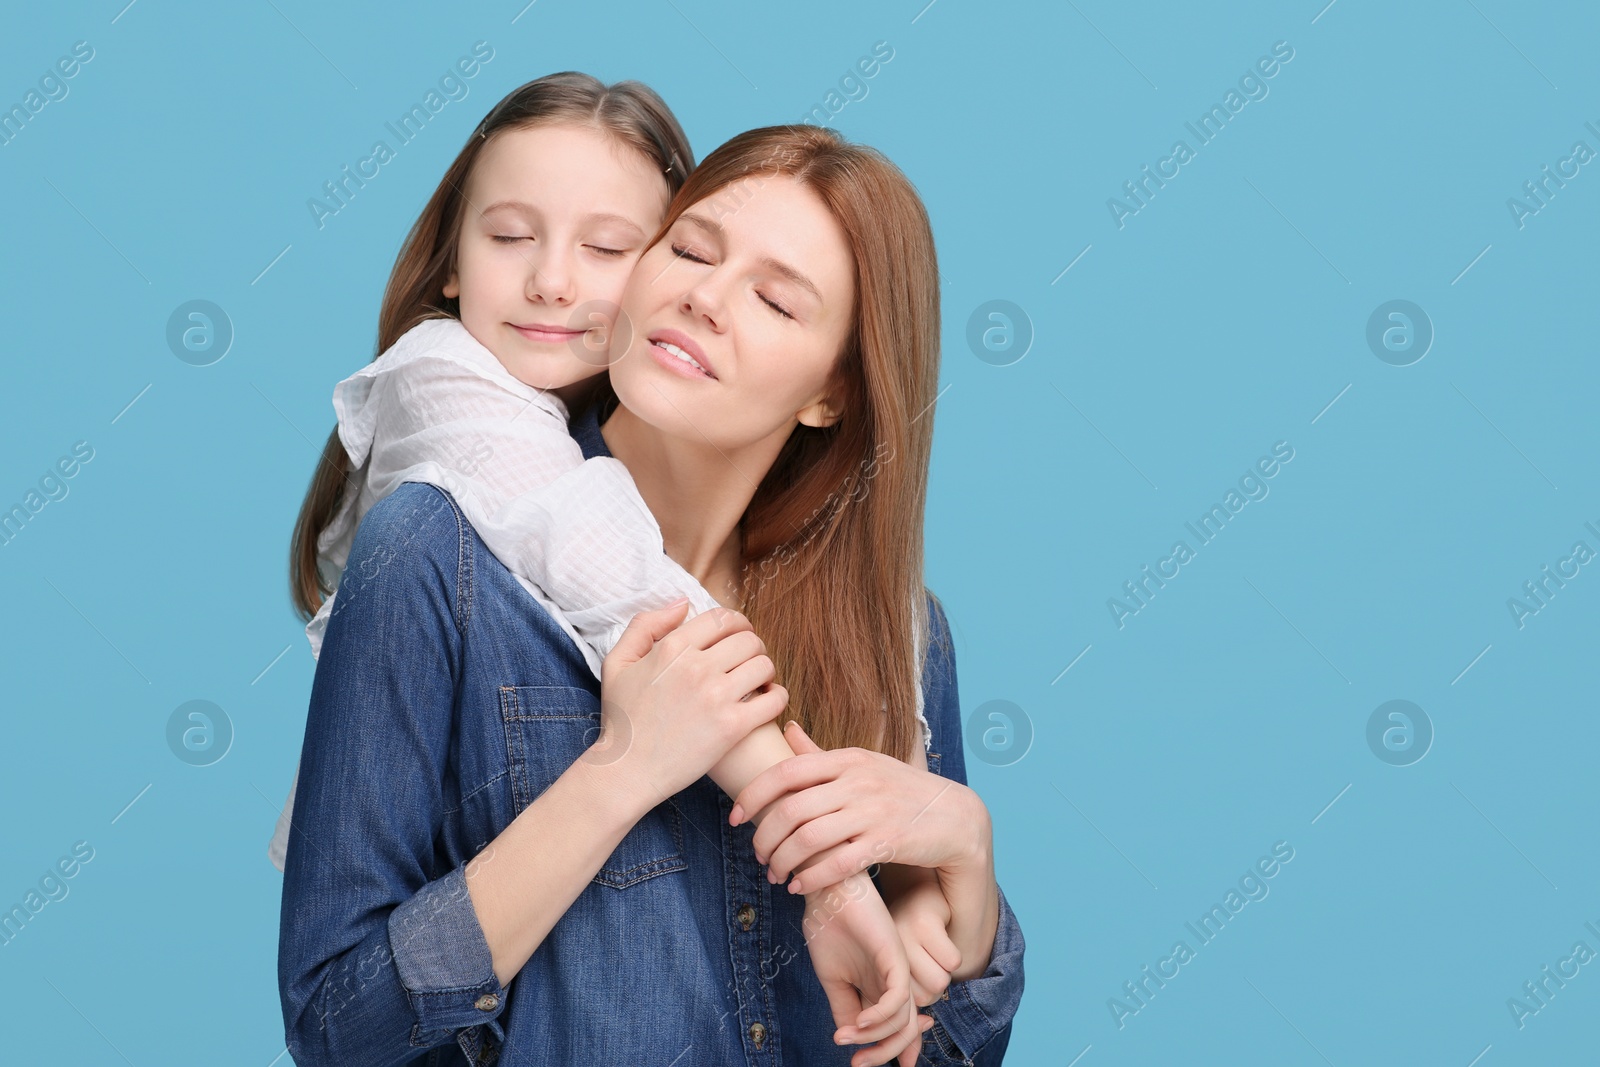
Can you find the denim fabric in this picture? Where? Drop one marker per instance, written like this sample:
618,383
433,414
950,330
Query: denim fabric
447,699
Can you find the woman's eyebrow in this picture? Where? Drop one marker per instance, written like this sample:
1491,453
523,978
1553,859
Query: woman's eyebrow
776,266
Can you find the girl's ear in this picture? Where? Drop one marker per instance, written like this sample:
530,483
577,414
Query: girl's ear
452,287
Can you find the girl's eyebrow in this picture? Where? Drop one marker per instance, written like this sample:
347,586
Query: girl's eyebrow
526,208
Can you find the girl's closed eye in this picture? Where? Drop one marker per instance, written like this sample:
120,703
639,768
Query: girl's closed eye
507,238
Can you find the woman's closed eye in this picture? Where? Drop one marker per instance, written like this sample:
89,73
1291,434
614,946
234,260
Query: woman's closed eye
684,253
775,307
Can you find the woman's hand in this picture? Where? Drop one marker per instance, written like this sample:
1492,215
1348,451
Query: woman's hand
675,698
860,807
858,956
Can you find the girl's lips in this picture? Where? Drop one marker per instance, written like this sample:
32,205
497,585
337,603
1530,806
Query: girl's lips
547,334
674,364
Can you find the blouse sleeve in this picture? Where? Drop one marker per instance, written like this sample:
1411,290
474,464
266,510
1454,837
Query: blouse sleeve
437,408
380,954
972,1024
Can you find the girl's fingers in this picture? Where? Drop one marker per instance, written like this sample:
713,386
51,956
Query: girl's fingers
891,1007
889,1013
943,950
935,941
909,1057
891,1047
843,1001
927,977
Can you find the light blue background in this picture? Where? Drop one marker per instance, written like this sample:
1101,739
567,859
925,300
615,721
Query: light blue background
1227,315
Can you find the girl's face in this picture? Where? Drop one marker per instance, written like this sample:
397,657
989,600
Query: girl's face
756,284
553,221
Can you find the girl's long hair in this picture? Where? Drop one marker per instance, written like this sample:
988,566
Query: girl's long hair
629,111
832,540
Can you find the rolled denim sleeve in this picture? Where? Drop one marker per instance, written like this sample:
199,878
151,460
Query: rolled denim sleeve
972,1024
380,954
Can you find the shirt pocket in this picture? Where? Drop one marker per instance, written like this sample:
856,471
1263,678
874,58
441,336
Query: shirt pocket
933,762
547,729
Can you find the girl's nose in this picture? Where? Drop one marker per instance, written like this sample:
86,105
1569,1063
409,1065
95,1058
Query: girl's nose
550,280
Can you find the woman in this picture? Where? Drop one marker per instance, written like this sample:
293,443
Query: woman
457,808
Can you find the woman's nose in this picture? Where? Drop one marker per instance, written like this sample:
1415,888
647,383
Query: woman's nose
705,300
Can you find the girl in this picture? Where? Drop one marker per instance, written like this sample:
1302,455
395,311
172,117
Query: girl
532,234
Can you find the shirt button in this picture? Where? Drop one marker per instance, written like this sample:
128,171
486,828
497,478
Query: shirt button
487,1002
758,1034
746,915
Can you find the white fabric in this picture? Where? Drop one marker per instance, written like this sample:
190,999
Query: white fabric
438,407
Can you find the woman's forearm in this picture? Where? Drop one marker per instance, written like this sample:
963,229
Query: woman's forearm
524,880
974,895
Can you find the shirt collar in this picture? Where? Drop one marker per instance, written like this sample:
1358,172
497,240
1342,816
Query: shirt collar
585,429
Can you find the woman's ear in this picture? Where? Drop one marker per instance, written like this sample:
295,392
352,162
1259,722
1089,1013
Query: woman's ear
824,411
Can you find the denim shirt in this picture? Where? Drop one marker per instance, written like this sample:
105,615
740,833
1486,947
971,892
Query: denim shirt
446,699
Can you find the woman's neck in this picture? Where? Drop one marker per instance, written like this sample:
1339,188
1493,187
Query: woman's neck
697,493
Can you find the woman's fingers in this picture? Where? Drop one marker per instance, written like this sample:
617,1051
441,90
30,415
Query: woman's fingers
750,675
793,812
789,776
844,861
888,1039
814,837
799,740
646,628
761,708
702,631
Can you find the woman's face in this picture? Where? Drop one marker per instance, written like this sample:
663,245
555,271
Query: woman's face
756,284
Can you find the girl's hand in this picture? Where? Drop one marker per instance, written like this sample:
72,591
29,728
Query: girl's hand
859,958
676,696
860,807
922,914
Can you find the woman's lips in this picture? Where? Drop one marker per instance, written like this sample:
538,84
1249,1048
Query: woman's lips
676,365
675,345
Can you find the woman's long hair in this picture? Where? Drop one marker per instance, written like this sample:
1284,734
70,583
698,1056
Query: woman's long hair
832,540
629,111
